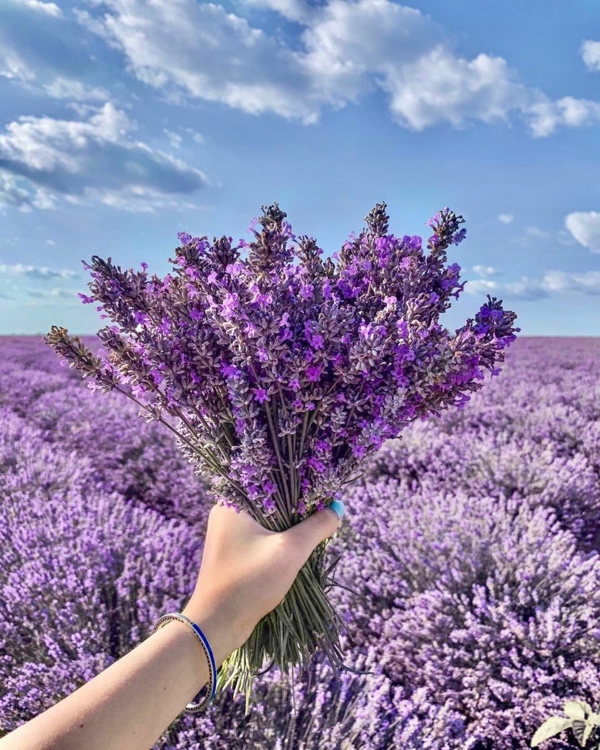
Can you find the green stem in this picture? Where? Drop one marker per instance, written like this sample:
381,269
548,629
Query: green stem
213,464
275,441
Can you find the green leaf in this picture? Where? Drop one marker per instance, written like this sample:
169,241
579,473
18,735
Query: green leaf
549,728
575,710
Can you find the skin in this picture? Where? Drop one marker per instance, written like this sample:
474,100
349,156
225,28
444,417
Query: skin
246,571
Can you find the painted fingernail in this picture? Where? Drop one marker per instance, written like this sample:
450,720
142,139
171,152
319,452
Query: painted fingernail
337,506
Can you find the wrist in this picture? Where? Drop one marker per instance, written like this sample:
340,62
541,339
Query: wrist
222,628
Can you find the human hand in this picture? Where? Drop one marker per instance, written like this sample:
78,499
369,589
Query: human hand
247,570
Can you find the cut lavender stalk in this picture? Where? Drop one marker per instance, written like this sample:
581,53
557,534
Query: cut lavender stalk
280,374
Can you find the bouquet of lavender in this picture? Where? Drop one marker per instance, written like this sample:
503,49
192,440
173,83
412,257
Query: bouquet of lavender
280,374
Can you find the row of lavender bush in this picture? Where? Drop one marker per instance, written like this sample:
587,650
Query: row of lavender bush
474,609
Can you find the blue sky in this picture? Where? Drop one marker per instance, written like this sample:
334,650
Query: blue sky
124,122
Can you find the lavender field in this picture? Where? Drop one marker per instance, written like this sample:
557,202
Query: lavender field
469,580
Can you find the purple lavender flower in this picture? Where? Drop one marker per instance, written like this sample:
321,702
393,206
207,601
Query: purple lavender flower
289,350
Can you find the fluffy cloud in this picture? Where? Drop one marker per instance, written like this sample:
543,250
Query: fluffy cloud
540,234
91,160
197,137
585,228
200,50
506,218
55,293
24,200
174,138
480,286
590,51
293,10
14,67
346,50
546,116
37,272
50,9
485,270
44,52
68,88
552,282
585,283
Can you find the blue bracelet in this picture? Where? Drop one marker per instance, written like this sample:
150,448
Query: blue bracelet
194,708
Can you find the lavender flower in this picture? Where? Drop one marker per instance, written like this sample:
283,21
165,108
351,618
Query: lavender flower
256,360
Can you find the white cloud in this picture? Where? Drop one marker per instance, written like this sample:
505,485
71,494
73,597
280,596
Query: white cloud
485,270
585,228
198,137
200,50
14,196
552,282
50,9
69,88
45,53
93,160
55,292
439,86
174,138
37,272
506,218
590,51
538,233
560,281
480,286
532,232
346,50
293,10
50,242
545,116
526,288
13,66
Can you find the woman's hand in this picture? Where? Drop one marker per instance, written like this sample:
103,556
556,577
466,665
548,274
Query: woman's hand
247,570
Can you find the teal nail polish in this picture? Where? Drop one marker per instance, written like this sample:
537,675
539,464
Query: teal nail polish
337,506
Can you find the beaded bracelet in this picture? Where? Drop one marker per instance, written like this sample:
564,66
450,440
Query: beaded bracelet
194,708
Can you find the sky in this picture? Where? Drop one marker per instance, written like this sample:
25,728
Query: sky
124,122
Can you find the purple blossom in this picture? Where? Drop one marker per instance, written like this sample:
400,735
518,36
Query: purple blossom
244,365
229,306
261,395
313,373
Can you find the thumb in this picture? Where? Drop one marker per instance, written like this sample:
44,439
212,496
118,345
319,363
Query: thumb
316,528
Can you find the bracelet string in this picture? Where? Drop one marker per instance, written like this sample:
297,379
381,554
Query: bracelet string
194,708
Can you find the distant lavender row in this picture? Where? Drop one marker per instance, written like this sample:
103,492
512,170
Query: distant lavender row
476,602
137,459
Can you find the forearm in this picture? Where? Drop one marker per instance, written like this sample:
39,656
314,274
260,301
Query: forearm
131,703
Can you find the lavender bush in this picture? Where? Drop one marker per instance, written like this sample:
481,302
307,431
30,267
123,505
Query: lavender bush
475,609
283,373
83,573
136,459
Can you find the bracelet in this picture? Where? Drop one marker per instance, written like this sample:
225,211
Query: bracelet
194,708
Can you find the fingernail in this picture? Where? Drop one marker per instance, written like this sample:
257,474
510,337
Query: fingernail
337,506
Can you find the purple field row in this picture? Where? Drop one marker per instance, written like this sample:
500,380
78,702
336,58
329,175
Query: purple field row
468,579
